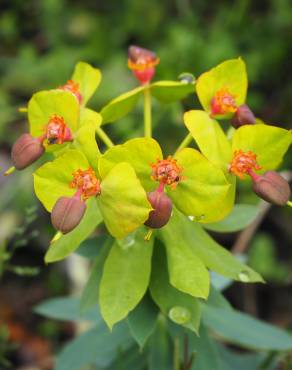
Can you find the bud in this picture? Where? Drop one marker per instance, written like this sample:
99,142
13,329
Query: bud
25,151
67,213
272,187
243,116
162,208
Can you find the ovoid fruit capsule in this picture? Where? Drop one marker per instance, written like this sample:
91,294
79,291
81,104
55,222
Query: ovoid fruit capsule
243,116
272,187
67,213
162,208
25,151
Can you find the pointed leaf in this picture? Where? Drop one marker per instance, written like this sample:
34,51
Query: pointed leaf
186,270
90,292
68,243
241,216
125,279
88,78
209,136
269,143
230,74
171,91
44,104
168,298
202,193
142,320
121,106
139,152
160,348
246,331
51,181
213,255
123,201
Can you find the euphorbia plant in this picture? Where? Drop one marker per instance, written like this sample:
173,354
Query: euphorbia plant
150,202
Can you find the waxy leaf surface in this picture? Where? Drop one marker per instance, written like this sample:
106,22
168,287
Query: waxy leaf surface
88,78
171,91
125,279
123,201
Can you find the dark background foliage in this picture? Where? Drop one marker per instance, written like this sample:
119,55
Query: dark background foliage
40,43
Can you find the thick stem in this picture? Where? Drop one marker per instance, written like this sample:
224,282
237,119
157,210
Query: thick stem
104,137
176,355
184,143
147,113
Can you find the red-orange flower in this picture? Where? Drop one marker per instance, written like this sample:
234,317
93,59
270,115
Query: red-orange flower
167,172
56,131
86,183
223,102
243,163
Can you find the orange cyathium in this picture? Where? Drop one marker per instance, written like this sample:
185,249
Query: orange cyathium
56,131
223,102
243,163
72,87
86,183
167,172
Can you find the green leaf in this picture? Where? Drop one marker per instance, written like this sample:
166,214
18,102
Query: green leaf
202,193
139,152
159,349
88,78
170,299
230,74
213,255
85,142
142,320
187,272
246,331
89,116
123,201
217,299
96,346
269,143
90,292
241,216
52,180
171,91
209,136
68,243
44,104
66,309
90,248
121,106
125,279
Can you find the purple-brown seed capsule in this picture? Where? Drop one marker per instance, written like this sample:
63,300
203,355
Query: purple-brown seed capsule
25,151
67,213
162,208
243,116
272,187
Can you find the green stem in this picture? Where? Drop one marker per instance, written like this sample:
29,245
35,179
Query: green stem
147,113
289,203
184,143
104,137
176,354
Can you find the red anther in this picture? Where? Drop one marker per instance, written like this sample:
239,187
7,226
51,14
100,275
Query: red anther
72,87
86,183
223,102
57,132
244,163
167,172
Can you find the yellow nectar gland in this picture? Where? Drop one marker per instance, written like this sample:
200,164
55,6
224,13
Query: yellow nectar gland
86,182
72,87
223,102
167,172
56,131
243,163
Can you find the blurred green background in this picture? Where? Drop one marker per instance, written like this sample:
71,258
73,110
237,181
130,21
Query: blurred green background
40,42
